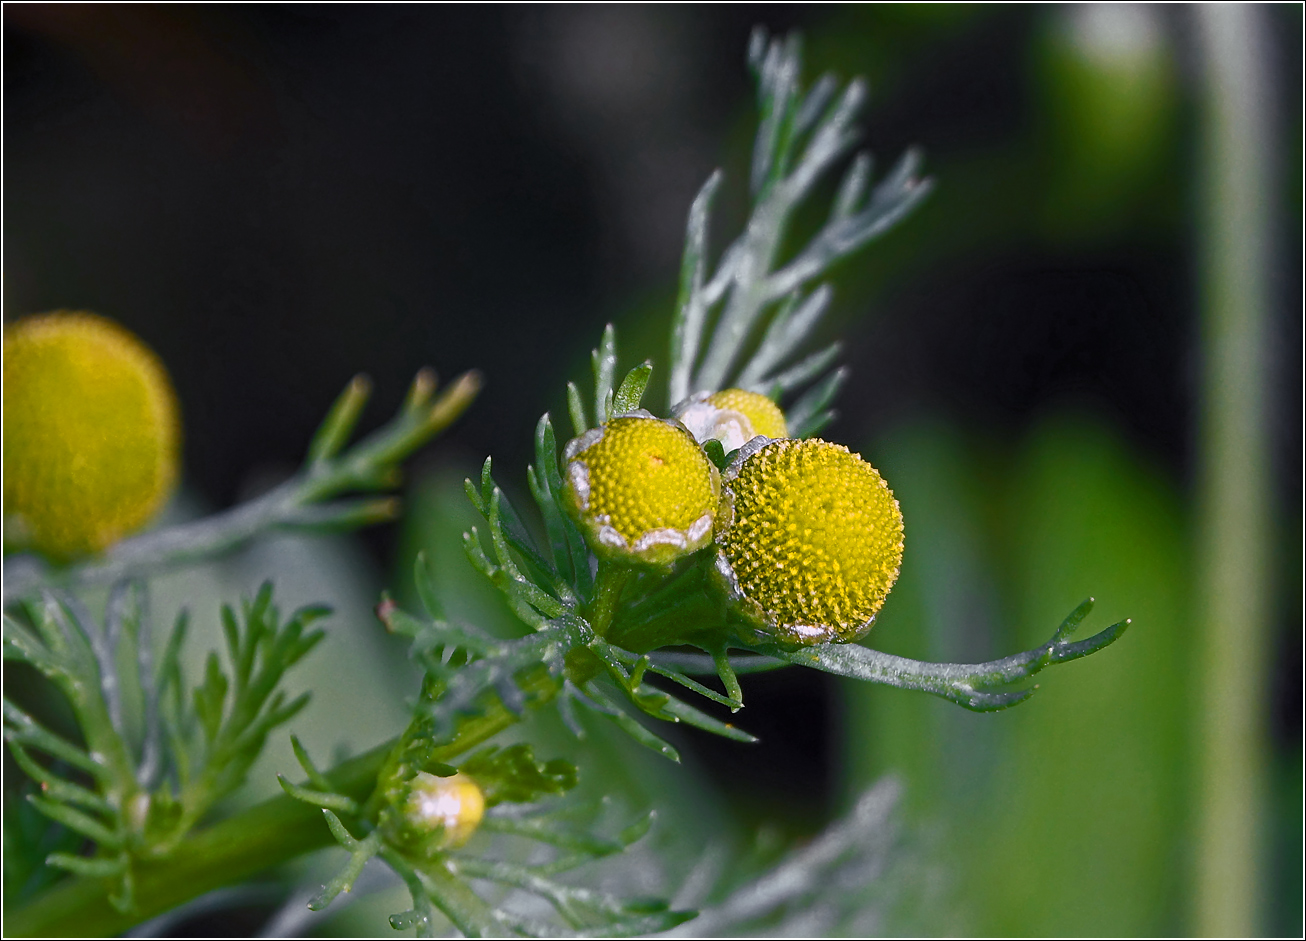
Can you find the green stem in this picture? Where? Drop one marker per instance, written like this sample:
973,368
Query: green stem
414,749
103,741
1233,509
235,849
608,585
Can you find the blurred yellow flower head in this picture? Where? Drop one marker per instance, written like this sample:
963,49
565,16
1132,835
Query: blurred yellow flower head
91,434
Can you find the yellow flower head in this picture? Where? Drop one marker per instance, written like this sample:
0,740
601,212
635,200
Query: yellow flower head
810,540
441,813
641,489
732,416
91,434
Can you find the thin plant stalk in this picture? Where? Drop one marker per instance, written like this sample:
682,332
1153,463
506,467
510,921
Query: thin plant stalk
1233,509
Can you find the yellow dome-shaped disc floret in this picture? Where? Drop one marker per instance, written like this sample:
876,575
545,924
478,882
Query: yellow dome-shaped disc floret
91,434
810,540
732,416
641,489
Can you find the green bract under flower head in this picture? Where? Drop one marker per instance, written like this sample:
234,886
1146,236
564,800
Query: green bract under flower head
810,540
732,416
641,489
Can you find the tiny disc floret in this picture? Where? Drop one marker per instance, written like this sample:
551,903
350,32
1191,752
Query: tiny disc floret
810,540
91,434
641,490
732,416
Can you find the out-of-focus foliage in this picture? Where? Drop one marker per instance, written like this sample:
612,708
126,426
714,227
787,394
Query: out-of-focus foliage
1051,812
1109,109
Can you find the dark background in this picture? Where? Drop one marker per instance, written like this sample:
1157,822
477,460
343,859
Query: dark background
278,197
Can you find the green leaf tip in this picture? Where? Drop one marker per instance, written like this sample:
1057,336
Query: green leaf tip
512,774
631,391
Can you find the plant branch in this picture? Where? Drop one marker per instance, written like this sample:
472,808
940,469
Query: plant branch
962,683
235,849
240,847
299,503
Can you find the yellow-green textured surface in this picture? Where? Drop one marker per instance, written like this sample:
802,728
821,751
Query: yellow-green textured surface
816,537
91,433
646,474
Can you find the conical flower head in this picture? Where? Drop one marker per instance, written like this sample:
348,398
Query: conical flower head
810,540
641,490
732,416
92,436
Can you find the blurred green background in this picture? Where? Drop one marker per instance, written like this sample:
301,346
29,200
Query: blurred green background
277,197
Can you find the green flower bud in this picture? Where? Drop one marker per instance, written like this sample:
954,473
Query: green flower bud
810,541
641,490
437,814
